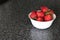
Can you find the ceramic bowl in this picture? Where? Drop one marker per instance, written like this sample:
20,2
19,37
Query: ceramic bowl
42,25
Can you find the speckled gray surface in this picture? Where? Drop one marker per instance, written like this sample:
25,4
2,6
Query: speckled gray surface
15,24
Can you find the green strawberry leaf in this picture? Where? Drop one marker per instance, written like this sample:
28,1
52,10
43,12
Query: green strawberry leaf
46,13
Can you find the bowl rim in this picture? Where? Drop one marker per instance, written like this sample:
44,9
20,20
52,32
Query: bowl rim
54,17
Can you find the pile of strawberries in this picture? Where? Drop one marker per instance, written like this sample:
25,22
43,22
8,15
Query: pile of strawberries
44,14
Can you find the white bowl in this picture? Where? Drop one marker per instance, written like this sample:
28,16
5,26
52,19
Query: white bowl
42,25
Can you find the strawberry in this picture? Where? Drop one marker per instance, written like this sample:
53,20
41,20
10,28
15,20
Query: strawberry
51,11
39,19
40,14
33,14
44,8
48,17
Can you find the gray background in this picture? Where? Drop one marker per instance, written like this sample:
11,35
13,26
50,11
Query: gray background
15,24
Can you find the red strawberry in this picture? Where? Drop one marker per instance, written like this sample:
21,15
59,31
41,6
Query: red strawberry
33,14
48,17
44,8
39,19
40,14
51,12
